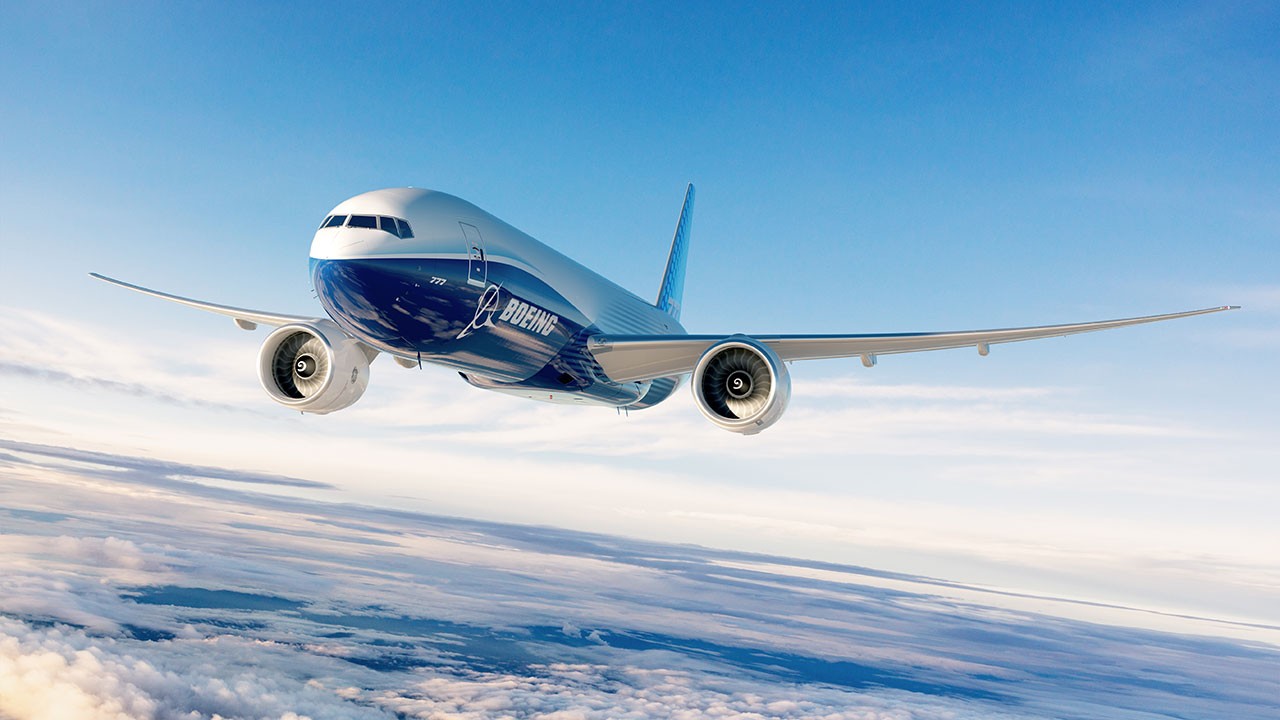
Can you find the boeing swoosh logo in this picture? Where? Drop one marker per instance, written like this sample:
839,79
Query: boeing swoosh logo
485,308
518,313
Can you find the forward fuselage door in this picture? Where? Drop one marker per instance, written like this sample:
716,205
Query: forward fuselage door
477,264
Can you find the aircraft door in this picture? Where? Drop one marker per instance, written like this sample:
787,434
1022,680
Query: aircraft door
477,264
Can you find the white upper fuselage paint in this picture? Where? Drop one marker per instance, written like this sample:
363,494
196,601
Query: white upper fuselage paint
436,310
435,218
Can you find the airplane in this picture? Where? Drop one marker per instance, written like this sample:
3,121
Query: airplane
426,277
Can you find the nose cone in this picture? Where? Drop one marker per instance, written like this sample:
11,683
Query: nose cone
335,242
365,224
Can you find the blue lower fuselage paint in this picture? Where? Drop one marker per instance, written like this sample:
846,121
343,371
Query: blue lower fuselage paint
510,332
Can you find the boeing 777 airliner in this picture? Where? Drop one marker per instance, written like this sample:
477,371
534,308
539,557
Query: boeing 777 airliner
424,276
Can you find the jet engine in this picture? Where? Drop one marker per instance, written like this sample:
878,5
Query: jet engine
741,385
314,368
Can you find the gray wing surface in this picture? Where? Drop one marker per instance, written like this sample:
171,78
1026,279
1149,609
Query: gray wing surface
633,358
245,318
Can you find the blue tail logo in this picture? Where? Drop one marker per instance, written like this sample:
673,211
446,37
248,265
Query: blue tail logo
672,291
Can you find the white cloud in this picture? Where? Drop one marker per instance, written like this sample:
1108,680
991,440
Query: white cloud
471,619
589,691
63,674
108,552
53,349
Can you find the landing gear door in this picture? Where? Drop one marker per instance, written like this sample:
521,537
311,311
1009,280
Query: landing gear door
477,265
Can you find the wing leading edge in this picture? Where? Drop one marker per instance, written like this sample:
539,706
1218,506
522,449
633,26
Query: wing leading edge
633,358
245,318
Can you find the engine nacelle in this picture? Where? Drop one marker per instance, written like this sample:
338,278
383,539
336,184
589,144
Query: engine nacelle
741,385
313,367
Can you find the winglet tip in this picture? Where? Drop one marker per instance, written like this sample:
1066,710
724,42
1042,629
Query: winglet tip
105,279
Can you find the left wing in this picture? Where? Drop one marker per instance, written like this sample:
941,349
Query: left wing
632,358
245,318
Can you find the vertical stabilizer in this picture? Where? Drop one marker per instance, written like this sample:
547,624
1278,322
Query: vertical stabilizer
671,293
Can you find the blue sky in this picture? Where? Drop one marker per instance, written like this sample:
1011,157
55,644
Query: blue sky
865,168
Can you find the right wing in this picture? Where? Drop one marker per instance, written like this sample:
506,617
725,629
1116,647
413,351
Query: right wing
632,358
245,318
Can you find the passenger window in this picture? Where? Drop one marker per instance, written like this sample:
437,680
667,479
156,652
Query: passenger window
335,221
405,232
363,221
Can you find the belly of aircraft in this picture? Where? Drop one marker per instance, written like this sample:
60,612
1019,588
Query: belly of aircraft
509,333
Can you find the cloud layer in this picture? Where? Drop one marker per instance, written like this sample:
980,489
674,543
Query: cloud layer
128,592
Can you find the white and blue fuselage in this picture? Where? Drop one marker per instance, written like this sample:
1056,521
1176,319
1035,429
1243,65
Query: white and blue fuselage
428,277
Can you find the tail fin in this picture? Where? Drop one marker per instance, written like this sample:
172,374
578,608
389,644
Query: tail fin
671,293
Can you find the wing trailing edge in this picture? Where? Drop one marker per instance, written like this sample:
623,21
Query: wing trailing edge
245,318
634,358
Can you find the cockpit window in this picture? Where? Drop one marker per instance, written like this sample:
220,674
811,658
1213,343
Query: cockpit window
395,226
392,225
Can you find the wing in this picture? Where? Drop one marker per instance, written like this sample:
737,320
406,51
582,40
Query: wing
245,318
631,358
